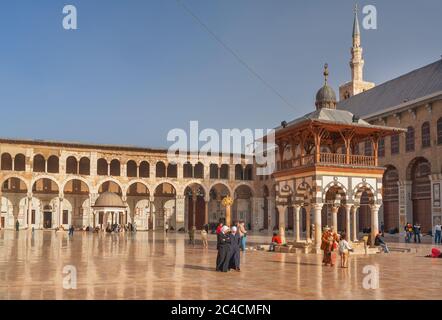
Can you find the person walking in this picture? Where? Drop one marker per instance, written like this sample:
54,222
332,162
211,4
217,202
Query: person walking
408,232
204,238
166,227
417,232
17,225
437,233
71,230
382,228
192,235
223,247
243,234
344,250
328,245
235,242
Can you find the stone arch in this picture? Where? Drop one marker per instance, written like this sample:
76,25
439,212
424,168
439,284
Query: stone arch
45,176
195,204
102,167
336,185
243,205
390,197
243,184
132,182
303,192
15,176
155,186
411,165
115,168
71,165
194,182
419,174
65,182
160,169
19,162
108,179
221,183
362,187
39,163
84,166
224,171
6,161
53,164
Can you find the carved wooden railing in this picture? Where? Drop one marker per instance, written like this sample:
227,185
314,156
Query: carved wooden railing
328,158
332,158
364,161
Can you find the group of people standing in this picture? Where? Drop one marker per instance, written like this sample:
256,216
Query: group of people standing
229,243
411,230
332,242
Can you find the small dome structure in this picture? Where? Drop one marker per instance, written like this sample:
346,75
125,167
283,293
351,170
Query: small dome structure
326,96
109,200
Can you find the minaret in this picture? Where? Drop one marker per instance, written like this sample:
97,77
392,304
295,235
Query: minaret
357,83
356,63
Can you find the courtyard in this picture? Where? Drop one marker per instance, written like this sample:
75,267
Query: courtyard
151,265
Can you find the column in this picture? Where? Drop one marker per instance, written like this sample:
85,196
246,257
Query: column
60,211
179,212
308,223
374,221
194,198
405,203
229,215
335,210
347,221
281,212
206,212
29,211
317,207
354,211
296,220
271,212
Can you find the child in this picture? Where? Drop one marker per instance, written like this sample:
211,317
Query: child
344,251
204,238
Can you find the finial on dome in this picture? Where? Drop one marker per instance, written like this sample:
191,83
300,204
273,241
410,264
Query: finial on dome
326,97
325,73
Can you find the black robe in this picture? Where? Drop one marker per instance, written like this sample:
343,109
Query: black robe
235,244
223,246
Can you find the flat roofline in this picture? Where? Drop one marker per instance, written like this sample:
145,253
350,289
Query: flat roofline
108,147
404,106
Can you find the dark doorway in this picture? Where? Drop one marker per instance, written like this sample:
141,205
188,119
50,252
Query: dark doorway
47,220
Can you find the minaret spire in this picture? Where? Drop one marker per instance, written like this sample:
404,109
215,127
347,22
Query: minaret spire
357,83
356,30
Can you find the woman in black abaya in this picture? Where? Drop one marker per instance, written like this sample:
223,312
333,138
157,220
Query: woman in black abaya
223,246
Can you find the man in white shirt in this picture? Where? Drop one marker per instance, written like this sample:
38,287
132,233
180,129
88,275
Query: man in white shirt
437,233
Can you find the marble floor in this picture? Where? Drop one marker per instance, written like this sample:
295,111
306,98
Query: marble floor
149,265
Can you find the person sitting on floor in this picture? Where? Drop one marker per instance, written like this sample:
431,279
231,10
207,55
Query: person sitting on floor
276,240
435,253
378,241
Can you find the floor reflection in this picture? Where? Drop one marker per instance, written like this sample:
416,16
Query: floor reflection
148,265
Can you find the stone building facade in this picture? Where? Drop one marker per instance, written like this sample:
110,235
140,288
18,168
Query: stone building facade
412,181
47,184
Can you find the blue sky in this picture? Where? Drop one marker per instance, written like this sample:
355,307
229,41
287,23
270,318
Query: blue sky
136,69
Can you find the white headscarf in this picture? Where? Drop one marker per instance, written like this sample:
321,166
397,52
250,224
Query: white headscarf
224,229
